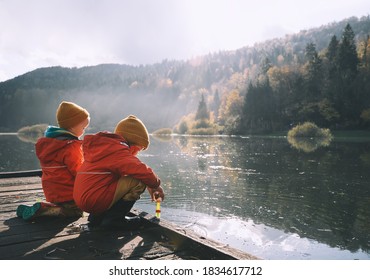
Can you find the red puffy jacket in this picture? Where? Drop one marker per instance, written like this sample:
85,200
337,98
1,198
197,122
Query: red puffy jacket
59,160
107,158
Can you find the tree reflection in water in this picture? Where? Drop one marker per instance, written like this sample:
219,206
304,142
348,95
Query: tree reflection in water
258,193
322,195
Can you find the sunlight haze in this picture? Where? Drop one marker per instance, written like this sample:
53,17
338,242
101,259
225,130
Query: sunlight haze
43,33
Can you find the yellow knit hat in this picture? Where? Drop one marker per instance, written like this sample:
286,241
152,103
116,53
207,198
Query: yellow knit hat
70,114
134,131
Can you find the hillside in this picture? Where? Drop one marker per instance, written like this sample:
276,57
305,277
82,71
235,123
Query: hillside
160,94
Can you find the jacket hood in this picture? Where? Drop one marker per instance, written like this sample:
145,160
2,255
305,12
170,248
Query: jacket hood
47,148
58,132
101,145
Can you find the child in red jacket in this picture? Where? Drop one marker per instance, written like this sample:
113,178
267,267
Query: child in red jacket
112,178
60,156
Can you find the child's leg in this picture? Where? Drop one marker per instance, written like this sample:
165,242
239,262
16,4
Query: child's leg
127,192
70,209
115,217
42,209
128,189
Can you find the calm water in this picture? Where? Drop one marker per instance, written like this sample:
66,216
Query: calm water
261,195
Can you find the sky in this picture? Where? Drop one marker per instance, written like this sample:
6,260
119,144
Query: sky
77,33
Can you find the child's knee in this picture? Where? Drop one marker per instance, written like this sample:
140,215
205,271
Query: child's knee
130,188
134,193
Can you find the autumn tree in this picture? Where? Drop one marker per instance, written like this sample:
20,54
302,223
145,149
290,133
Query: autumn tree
363,84
230,111
364,52
286,83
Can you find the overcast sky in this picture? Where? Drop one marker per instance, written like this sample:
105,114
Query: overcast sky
76,33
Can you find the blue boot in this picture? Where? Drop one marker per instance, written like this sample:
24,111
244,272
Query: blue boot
39,209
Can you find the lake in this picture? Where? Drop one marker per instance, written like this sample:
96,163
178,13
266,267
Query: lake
263,195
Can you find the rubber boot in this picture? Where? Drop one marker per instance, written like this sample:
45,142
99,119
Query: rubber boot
95,219
112,215
39,209
115,217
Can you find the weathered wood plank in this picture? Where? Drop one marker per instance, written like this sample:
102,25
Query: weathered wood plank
56,238
21,174
73,244
10,204
46,229
184,238
20,181
19,188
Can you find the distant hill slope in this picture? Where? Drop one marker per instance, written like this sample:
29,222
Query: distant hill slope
161,93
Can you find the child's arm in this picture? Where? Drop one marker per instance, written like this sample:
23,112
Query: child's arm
132,166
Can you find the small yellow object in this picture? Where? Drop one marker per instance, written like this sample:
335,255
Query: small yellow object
158,208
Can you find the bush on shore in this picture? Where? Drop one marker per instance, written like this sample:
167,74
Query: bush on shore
309,130
308,137
32,133
163,131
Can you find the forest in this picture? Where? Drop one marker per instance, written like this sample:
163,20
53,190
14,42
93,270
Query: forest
320,75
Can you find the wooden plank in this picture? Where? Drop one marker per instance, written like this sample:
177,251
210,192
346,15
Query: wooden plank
56,238
140,244
43,229
186,237
19,188
20,181
18,174
10,204
14,192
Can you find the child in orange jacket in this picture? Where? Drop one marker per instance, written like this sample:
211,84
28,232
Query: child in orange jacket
112,178
60,155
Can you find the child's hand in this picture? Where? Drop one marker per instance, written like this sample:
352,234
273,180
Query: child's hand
156,193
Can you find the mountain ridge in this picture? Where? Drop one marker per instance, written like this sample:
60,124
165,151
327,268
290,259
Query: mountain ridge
159,93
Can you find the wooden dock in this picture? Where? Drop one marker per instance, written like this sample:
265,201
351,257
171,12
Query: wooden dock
71,239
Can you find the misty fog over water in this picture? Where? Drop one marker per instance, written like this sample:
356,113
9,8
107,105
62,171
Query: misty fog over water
258,194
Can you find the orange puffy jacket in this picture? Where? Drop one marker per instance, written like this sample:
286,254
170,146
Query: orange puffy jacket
107,158
59,160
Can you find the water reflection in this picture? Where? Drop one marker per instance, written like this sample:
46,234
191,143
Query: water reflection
308,145
17,155
322,196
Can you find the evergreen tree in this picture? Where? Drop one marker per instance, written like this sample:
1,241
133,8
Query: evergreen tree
347,54
202,112
215,107
258,111
349,102
332,81
332,50
332,59
314,74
